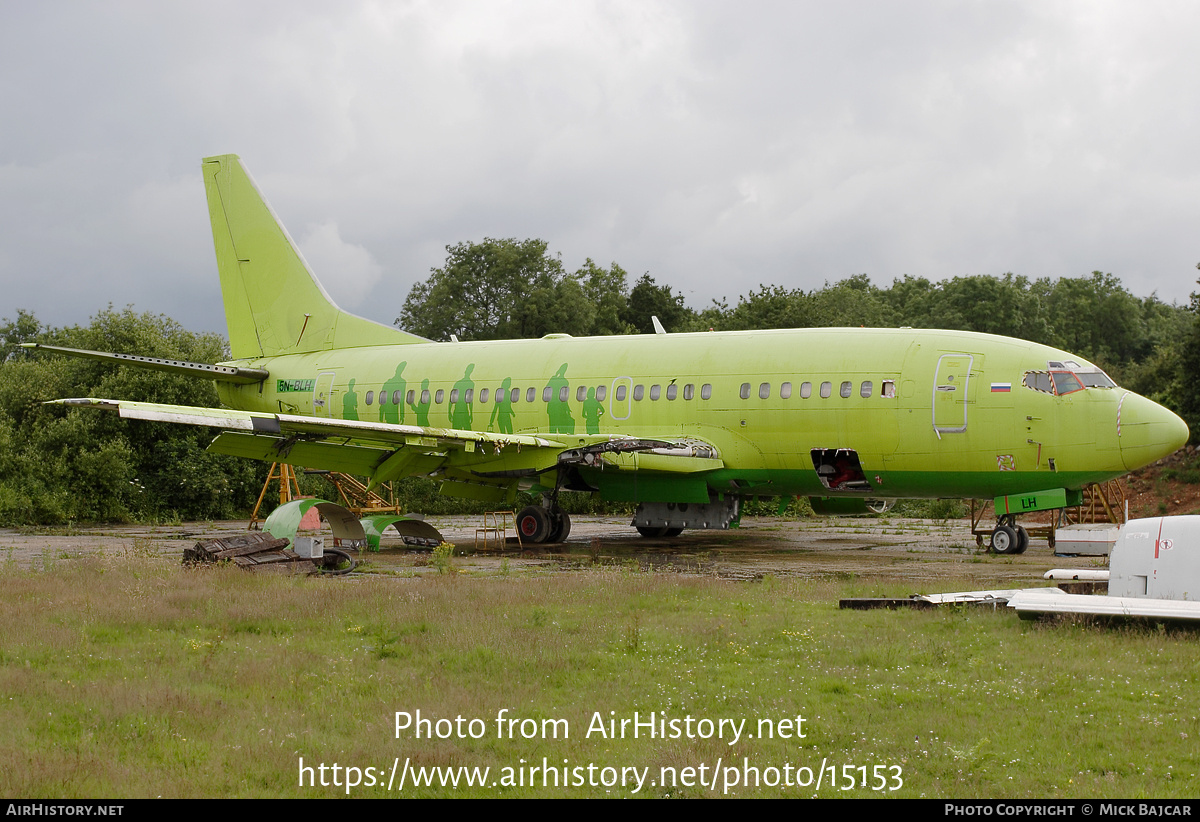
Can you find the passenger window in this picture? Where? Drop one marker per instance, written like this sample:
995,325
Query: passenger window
370,397
785,391
547,393
468,394
563,393
581,393
620,393
453,396
826,390
847,389
439,396
764,391
655,392
671,390
483,395
383,398
601,392
412,395
516,395
805,390
425,397
865,390
889,389
639,391
745,392
689,391
397,397
706,391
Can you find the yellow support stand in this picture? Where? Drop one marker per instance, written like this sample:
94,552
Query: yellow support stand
289,489
495,526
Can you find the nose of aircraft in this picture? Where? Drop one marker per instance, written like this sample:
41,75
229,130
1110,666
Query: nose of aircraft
1147,431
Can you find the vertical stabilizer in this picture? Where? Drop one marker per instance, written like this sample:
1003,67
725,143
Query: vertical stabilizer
273,303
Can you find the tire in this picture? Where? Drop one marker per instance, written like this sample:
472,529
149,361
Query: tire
652,533
533,523
1004,540
560,527
1022,540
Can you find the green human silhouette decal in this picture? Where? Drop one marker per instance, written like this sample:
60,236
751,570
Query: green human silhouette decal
421,406
350,403
502,410
460,406
593,410
558,408
391,409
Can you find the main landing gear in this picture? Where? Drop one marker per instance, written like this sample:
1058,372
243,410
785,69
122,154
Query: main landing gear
541,524
1008,537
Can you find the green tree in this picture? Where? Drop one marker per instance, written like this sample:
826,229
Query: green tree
648,299
607,292
854,301
506,289
1186,386
769,307
62,465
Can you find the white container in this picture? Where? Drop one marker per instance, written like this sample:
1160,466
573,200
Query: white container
1157,558
309,547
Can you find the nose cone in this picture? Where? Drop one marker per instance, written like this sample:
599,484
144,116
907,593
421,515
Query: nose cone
1147,431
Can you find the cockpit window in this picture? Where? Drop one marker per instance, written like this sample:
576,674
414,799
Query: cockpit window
1095,379
1066,378
1039,381
1065,382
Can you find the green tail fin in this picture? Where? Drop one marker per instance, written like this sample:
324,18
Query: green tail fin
273,303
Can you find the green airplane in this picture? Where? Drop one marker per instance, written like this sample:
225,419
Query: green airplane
685,425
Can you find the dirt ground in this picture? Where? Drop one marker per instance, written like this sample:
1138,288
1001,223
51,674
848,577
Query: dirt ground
920,552
888,549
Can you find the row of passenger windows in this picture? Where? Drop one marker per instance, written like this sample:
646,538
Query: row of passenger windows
600,392
866,389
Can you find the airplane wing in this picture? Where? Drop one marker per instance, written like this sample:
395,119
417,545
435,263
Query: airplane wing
474,464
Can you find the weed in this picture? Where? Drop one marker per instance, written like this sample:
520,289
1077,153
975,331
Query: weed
633,635
442,558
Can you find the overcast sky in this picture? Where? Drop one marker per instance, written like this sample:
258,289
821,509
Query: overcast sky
715,145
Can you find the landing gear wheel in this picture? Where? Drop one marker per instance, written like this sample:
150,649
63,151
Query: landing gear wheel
533,523
1004,540
1022,540
652,533
673,532
560,527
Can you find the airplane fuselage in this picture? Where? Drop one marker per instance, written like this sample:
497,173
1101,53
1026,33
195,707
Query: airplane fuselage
925,413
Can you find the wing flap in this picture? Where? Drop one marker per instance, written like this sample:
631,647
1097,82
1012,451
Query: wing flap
325,456
476,464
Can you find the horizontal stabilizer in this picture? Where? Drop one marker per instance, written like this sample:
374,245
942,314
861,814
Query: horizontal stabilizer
220,373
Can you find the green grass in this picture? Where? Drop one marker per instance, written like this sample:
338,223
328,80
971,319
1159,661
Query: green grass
130,677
